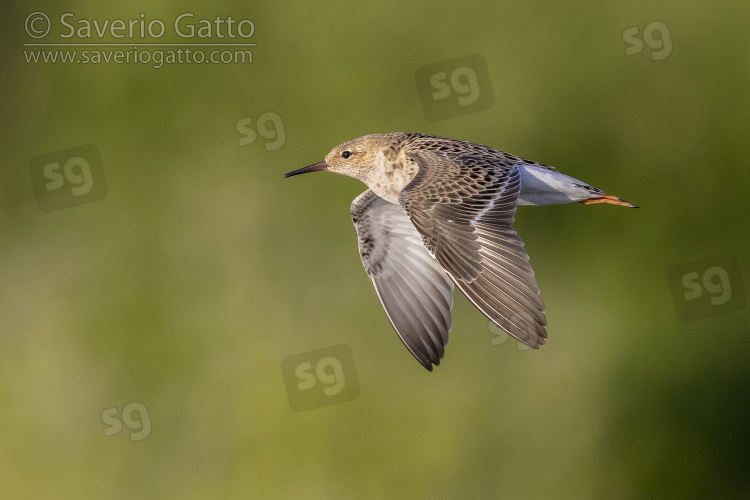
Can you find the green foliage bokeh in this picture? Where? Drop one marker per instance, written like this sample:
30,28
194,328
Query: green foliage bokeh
203,269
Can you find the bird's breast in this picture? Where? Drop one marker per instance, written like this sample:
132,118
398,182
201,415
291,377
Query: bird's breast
390,176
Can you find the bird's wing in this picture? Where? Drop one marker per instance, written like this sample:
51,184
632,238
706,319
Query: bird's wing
463,203
415,292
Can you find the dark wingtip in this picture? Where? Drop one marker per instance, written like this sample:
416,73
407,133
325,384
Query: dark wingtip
428,365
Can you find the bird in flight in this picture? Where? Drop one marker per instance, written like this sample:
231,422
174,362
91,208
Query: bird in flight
439,212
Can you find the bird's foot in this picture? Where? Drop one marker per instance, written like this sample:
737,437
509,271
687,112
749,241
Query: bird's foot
607,198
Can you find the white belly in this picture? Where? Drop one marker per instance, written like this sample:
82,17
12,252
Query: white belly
540,186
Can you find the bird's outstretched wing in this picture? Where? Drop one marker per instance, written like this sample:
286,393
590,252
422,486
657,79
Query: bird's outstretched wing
462,202
415,292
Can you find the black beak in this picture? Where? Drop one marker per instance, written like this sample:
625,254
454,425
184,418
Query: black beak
315,167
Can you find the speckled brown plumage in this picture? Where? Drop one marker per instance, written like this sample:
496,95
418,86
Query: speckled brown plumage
439,212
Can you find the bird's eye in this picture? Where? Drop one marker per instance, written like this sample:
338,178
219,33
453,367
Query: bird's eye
346,154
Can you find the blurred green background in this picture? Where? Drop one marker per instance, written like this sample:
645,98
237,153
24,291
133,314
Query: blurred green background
203,269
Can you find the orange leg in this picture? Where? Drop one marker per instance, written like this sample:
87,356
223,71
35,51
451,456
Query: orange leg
607,198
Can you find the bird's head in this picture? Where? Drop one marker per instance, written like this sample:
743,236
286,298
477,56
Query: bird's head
356,158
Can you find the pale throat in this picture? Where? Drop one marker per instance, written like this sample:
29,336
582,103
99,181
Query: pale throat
390,175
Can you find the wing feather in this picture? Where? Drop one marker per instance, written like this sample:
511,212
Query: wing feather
463,205
416,294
